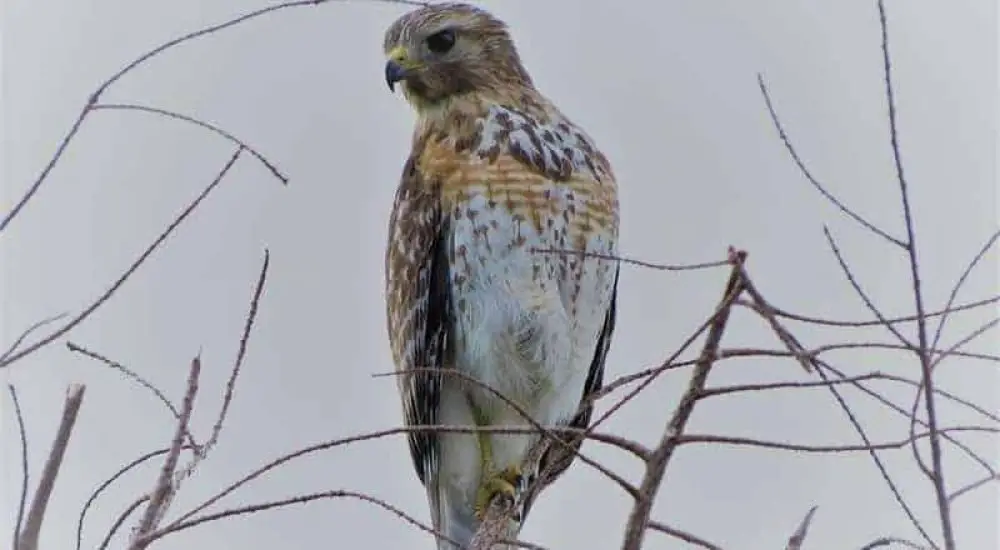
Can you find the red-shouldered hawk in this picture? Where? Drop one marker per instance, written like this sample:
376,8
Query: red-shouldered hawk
496,173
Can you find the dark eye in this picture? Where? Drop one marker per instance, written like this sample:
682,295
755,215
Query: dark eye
441,41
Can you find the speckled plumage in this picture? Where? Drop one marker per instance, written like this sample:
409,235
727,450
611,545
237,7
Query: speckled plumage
496,175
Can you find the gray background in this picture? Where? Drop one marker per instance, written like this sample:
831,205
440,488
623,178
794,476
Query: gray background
667,88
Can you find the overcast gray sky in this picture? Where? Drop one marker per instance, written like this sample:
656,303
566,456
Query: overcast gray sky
669,91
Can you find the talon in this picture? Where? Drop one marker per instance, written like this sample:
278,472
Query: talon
504,483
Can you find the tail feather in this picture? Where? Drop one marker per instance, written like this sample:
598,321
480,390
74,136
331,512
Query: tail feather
451,518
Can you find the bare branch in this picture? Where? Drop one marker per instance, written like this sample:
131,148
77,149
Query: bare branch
134,376
824,366
911,248
799,537
683,535
371,436
686,439
958,286
28,539
888,541
973,486
107,483
197,122
95,97
876,322
979,331
241,352
725,390
786,337
805,171
650,376
200,452
24,465
304,499
861,291
656,467
128,273
883,471
632,261
163,491
27,332
120,520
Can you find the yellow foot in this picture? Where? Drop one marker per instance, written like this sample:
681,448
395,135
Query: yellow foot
504,483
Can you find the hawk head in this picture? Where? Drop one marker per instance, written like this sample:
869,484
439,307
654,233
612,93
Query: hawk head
441,51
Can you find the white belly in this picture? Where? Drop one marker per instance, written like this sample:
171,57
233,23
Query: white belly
527,325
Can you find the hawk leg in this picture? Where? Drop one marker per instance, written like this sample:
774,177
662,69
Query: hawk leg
493,483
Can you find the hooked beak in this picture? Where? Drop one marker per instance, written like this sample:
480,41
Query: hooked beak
398,67
394,72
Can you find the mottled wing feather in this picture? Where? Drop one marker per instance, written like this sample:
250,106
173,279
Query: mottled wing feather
418,309
556,459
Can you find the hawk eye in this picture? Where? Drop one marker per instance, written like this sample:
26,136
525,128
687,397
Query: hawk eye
441,41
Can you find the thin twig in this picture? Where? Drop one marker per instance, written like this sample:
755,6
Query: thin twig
979,331
198,122
796,350
888,541
372,436
805,171
241,352
201,453
958,286
107,483
921,388
120,520
301,499
23,499
972,486
687,439
876,322
653,374
730,353
33,524
846,269
626,260
135,377
132,268
740,388
879,465
901,411
27,332
682,535
812,353
95,96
